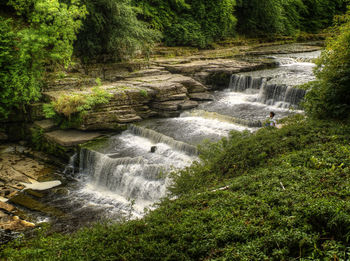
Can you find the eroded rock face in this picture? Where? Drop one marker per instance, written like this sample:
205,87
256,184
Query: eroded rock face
137,98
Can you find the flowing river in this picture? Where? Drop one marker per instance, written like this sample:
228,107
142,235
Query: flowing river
128,172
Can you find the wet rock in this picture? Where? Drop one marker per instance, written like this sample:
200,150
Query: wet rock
45,125
7,207
71,137
32,204
188,105
201,96
14,223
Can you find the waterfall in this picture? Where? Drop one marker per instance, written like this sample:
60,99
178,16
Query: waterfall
70,168
281,95
129,177
161,138
241,83
225,118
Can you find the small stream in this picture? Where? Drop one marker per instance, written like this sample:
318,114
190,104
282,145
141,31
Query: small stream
128,173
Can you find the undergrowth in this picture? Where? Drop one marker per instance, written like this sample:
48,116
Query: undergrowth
287,198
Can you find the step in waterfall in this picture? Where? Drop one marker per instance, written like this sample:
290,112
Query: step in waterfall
132,178
279,95
130,170
161,138
222,118
240,83
282,96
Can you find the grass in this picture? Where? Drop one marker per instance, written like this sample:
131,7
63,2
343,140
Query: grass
287,199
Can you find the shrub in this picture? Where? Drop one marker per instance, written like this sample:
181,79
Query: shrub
329,97
72,107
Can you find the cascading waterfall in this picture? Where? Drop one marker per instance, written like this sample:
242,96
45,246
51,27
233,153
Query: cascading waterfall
161,138
224,118
129,177
281,95
240,83
126,171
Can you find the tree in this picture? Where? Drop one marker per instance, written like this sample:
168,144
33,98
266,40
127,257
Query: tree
193,22
41,36
112,29
329,96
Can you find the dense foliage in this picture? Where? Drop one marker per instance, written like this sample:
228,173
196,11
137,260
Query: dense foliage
286,17
41,36
318,15
112,29
287,199
329,96
191,22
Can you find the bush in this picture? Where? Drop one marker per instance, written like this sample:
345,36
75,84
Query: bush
329,97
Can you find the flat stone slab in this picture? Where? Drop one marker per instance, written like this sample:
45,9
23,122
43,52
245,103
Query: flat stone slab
69,138
46,125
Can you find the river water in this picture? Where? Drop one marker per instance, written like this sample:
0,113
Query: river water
128,173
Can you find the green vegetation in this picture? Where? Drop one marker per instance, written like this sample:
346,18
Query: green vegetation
41,36
286,17
112,29
191,22
288,199
69,109
329,96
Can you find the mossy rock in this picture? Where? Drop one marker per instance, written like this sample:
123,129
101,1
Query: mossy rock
96,145
28,202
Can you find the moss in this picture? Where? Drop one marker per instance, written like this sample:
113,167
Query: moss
96,144
28,202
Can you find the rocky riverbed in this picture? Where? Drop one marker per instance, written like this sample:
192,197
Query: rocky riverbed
21,169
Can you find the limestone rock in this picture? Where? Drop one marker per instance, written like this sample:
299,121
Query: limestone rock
203,96
14,223
71,137
167,106
45,125
187,105
7,207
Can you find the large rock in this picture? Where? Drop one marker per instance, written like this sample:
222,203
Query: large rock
45,125
70,138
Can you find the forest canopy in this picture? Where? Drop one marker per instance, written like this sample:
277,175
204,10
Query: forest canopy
37,36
